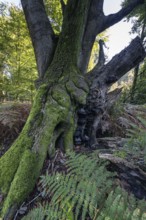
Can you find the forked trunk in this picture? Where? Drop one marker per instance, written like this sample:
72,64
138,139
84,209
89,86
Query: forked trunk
52,116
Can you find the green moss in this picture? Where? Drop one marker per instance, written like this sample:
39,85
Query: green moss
14,170
20,166
60,95
68,134
24,180
36,113
122,154
10,161
77,94
56,111
69,44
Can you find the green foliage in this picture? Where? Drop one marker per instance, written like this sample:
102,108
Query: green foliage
78,188
54,11
137,143
37,213
138,17
139,96
17,61
86,192
120,206
121,154
135,93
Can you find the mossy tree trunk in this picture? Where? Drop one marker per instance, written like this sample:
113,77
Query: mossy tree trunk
62,89
52,116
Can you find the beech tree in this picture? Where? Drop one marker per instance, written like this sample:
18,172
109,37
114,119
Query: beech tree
69,103
16,82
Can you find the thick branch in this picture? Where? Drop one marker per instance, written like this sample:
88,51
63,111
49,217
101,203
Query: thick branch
100,62
97,100
114,18
95,18
69,44
41,33
101,59
121,64
97,23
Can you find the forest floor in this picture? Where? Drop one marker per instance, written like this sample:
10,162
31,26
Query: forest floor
130,168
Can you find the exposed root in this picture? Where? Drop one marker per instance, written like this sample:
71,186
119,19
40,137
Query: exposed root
52,116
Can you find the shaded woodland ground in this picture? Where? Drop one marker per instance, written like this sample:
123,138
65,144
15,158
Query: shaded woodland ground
123,147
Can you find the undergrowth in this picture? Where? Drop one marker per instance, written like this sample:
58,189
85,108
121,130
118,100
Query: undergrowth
137,139
12,120
87,192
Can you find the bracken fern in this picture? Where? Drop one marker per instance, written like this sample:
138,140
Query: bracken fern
87,191
137,142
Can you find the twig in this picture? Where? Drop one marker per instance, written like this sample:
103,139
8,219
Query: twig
15,217
26,205
34,199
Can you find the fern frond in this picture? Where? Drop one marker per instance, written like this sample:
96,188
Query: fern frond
83,187
36,214
87,190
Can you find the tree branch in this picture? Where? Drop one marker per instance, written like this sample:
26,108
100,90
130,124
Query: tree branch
94,20
101,59
100,62
114,18
97,100
97,22
121,63
41,33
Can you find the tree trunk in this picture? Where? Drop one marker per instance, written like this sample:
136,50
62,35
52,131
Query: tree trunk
63,89
98,102
52,115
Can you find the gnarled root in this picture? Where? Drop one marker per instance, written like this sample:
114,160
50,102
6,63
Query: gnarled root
21,165
52,116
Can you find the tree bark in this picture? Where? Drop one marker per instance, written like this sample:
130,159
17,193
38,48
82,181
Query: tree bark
120,63
101,79
41,32
130,176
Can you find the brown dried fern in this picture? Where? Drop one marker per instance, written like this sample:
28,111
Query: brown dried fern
12,120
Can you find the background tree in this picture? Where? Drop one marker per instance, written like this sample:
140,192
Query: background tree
138,18
66,97
16,55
